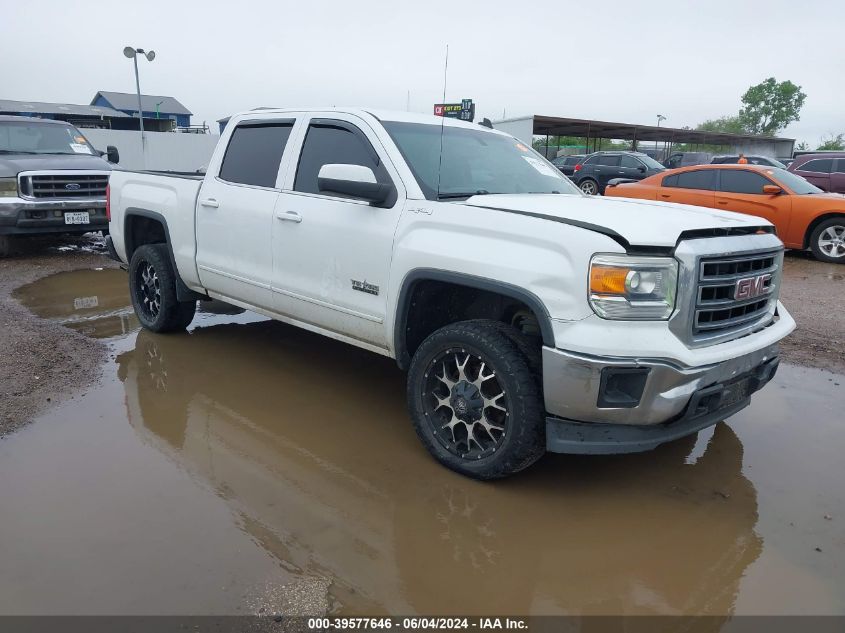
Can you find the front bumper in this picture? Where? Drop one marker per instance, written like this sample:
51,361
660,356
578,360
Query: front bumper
671,401
26,217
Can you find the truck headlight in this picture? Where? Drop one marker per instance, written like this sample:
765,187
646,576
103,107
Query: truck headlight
8,187
628,288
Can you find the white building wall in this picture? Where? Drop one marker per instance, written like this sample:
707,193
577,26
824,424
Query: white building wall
164,151
521,128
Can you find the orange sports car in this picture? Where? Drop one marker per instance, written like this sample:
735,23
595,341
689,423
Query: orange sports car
804,215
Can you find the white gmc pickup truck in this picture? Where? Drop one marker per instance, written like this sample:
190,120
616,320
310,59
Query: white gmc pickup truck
529,316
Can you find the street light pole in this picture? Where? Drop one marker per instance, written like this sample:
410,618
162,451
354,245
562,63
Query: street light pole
140,107
133,53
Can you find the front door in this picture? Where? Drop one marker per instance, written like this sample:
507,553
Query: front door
837,177
235,214
331,255
742,191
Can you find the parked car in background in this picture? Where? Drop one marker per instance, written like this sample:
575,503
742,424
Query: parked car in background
753,159
51,180
683,159
804,215
597,169
825,171
566,164
787,161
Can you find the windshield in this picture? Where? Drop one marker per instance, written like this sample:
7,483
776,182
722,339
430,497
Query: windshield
473,162
41,138
650,162
796,183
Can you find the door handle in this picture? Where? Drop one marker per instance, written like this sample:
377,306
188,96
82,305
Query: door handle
210,202
289,216
665,195
721,202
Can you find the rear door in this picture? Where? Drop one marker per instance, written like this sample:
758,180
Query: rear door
235,213
817,171
690,187
741,190
837,176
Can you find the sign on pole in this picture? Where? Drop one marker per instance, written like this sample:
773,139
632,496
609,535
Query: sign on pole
464,111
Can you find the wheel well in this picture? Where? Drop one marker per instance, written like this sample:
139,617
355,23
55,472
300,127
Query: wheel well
427,305
142,230
816,222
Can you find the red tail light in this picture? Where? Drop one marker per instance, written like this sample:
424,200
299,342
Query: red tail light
577,167
108,204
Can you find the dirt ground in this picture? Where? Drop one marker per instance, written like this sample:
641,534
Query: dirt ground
45,363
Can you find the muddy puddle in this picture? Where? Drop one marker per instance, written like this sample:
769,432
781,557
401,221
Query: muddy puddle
220,470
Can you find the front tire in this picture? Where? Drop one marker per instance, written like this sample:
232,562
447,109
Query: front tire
828,241
589,187
152,286
474,401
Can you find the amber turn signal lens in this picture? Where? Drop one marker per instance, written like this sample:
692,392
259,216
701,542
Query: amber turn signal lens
608,280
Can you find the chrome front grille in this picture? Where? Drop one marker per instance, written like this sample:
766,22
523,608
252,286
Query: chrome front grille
734,292
70,186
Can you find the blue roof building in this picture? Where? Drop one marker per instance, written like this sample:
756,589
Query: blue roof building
156,108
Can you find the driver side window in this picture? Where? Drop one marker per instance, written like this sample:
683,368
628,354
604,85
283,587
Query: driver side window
334,142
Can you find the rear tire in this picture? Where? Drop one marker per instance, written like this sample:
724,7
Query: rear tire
5,245
474,401
828,241
589,186
152,286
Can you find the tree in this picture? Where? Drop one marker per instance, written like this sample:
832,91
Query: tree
833,142
770,106
802,146
729,124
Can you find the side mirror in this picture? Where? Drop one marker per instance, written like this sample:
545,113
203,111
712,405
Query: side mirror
355,181
772,190
112,155
641,169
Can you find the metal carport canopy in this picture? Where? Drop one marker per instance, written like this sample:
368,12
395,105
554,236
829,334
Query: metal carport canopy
560,126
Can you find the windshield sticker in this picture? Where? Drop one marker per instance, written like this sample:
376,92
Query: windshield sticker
79,148
540,166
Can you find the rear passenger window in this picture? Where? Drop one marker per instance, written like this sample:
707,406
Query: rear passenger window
334,142
255,152
699,179
670,181
819,165
840,166
608,161
741,181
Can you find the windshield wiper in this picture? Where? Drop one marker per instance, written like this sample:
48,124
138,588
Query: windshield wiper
15,151
449,196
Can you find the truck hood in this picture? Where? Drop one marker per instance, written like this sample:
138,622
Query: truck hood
13,164
638,222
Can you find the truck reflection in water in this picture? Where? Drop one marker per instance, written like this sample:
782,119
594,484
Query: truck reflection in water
309,443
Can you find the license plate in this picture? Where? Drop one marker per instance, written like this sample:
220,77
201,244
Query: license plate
77,217
734,393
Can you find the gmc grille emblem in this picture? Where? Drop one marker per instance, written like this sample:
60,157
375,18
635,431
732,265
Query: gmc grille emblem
750,287
73,186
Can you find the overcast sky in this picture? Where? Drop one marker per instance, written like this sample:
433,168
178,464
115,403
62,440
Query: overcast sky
617,61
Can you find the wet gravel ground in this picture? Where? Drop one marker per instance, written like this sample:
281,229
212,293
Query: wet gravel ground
814,293
43,363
